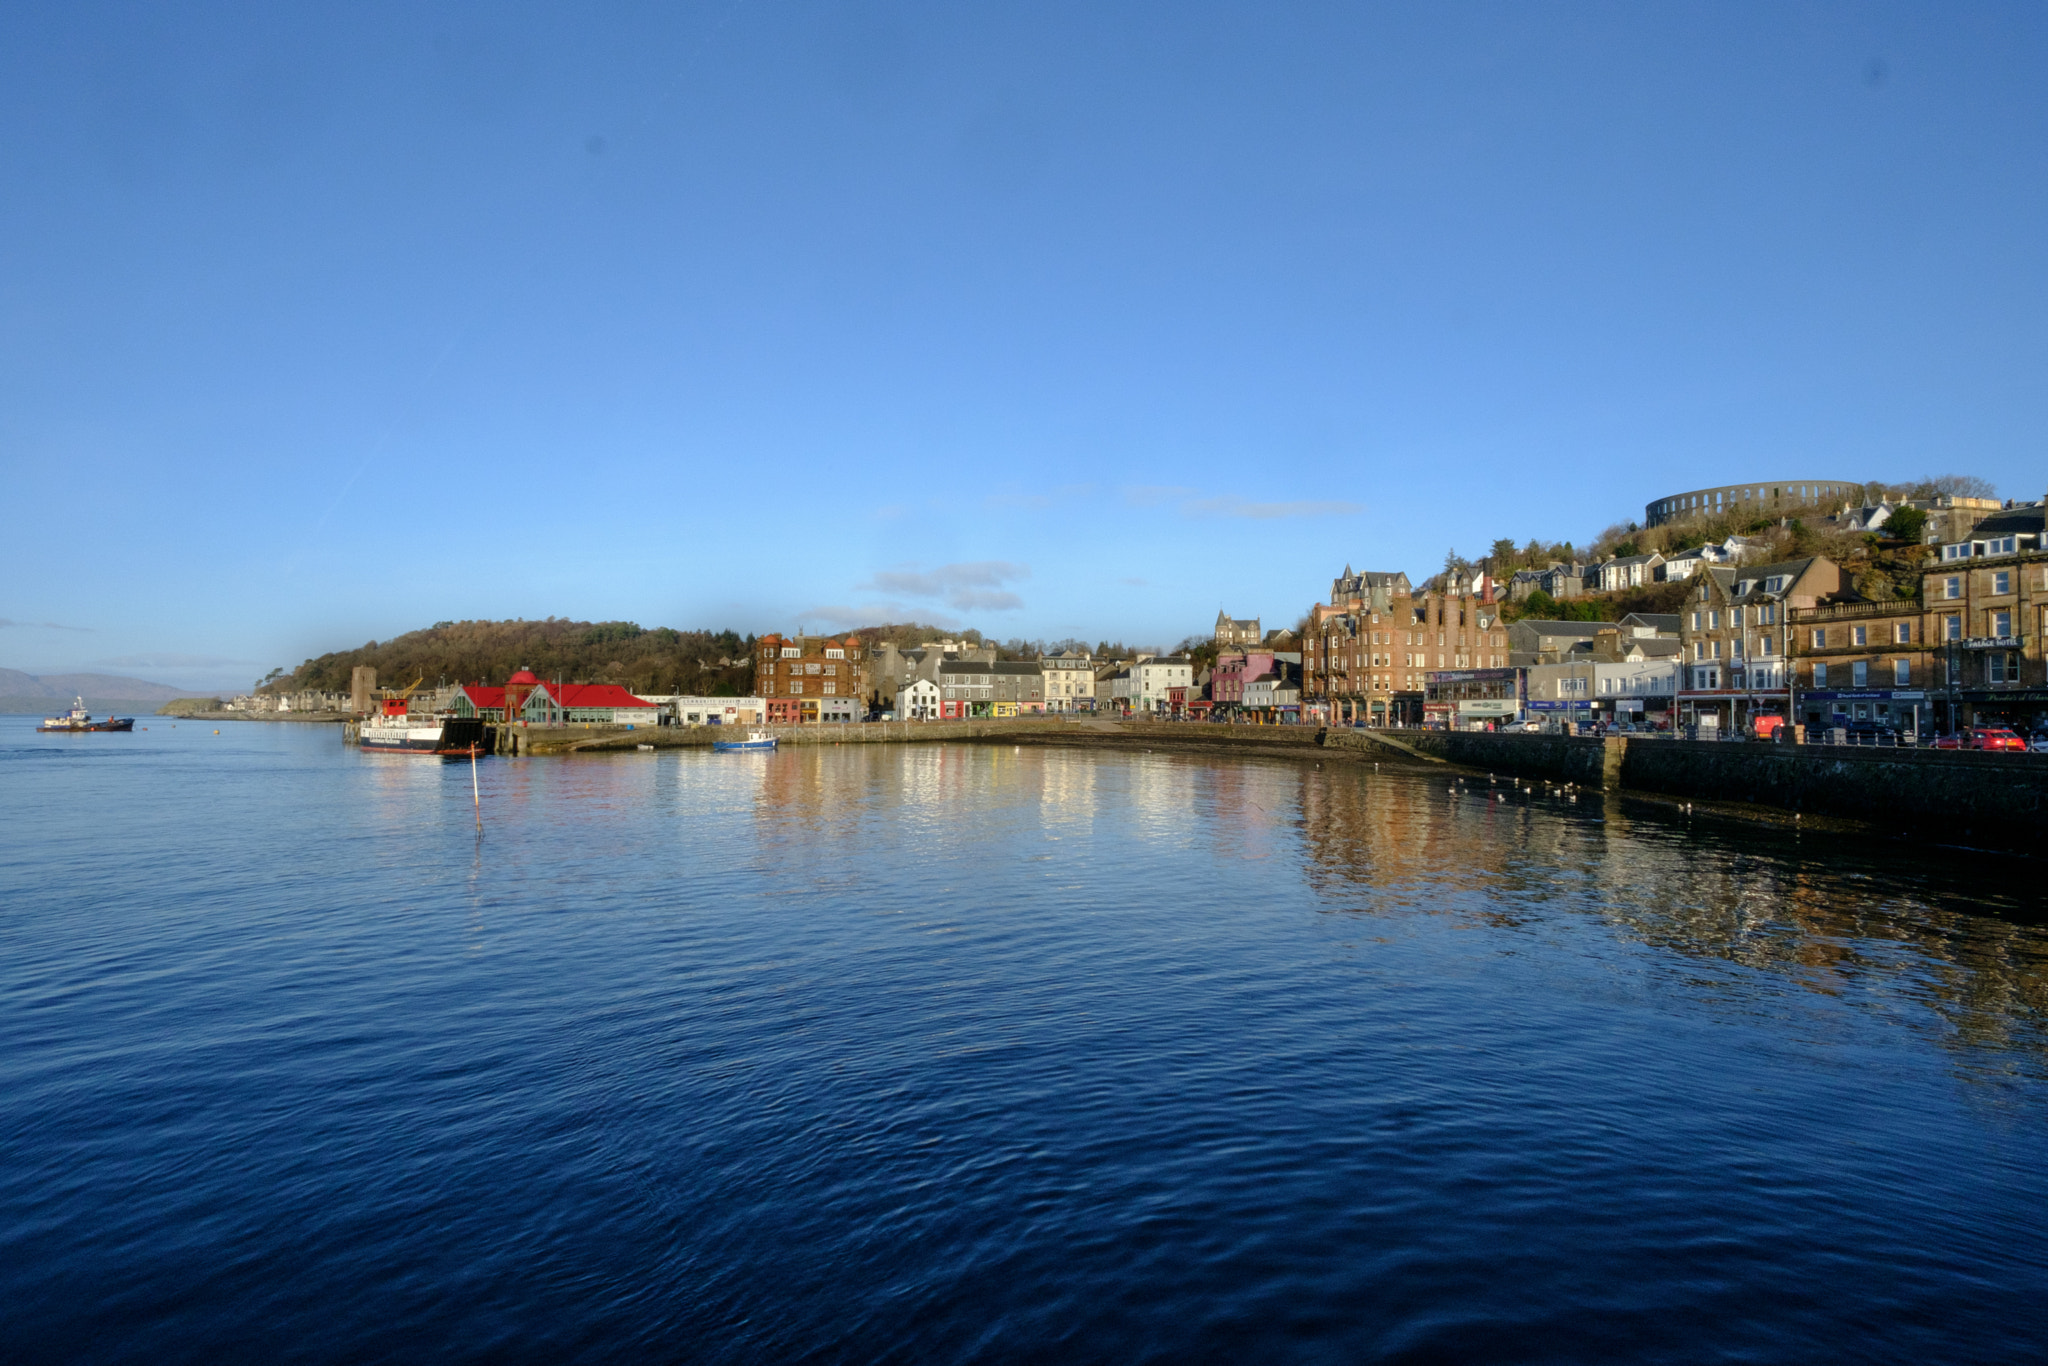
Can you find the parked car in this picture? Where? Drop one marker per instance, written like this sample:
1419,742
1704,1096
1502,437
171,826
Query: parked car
2040,744
1767,727
1948,742
1989,737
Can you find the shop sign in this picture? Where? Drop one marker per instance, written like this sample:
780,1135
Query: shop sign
1488,706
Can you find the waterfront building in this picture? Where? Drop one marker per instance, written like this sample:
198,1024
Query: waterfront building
682,709
1857,660
891,667
586,704
1460,699
1371,646
1983,615
967,687
1019,688
1733,647
805,679
1149,680
918,700
1232,670
1274,695
1069,681
1632,688
477,700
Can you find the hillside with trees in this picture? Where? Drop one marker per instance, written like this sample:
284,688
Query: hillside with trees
661,660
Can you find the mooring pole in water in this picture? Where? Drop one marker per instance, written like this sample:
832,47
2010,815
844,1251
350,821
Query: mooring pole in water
475,794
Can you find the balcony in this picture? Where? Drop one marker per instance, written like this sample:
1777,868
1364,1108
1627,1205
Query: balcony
1850,611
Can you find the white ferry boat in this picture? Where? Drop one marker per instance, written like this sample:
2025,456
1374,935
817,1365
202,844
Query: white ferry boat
398,731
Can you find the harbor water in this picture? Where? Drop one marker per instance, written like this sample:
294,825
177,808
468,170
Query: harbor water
983,1053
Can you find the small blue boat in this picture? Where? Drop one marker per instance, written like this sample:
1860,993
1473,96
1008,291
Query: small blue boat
756,739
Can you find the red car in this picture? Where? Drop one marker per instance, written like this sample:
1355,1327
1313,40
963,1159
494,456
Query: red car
1989,738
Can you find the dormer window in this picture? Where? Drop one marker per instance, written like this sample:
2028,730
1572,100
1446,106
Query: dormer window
1777,583
1956,552
835,654
1742,588
792,652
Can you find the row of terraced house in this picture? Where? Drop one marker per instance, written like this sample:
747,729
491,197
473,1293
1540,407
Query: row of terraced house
1791,640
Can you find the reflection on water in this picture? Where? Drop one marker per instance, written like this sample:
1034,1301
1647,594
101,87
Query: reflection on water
948,1052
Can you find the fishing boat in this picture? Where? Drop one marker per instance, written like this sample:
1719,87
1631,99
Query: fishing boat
756,739
78,720
398,731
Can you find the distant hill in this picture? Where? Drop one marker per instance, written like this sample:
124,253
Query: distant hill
661,660
35,693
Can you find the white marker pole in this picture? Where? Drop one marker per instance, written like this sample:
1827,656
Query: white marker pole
476,794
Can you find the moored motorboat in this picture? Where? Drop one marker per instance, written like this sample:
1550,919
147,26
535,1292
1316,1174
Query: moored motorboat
78,720
756,739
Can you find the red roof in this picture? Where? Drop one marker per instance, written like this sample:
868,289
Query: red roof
481,697
592,695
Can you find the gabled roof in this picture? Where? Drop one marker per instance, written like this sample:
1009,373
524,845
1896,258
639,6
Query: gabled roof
1638,559
1661,621
481,695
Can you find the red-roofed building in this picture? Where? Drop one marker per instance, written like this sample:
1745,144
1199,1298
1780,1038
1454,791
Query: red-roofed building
571,704
474,699
516,689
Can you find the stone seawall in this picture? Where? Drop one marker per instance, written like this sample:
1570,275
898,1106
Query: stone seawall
1947,796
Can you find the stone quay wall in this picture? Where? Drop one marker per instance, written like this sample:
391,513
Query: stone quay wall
1948,796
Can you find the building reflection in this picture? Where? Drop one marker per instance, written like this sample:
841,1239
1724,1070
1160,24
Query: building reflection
1820,913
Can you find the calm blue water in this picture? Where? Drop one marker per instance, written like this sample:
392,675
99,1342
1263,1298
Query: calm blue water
952,1053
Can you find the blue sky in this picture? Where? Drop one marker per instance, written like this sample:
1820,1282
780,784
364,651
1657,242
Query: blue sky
318,324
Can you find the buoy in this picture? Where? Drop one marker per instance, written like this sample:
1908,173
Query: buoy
216,730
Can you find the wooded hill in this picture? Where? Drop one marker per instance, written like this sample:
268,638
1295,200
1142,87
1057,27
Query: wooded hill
661,660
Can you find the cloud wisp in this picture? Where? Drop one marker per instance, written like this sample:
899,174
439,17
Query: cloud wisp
43,626
973,586
1191,503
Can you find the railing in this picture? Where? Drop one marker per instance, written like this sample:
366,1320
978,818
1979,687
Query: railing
1843,611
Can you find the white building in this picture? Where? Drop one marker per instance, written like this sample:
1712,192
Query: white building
678,709
1069,681
1149,679
918,700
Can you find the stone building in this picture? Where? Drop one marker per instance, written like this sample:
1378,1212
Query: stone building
1236,632
1734,655
890,668
1983,614
811,678
1069,681
1856,660
1371,644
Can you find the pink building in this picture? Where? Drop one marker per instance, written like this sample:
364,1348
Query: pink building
1235,668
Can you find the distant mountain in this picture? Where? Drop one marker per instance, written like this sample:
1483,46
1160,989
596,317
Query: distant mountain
20,692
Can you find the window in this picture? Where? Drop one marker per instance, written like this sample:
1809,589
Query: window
2002,667
1735,648
1951,628
1764,646
831,687
1735,617
1820,675
1955,552
1859,674
2001,624
1713,621
1904,634
1716,652
796,685
1767,614
1820,637
1695,621
1952,587
2001,582
792,652
1902,673
835,654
